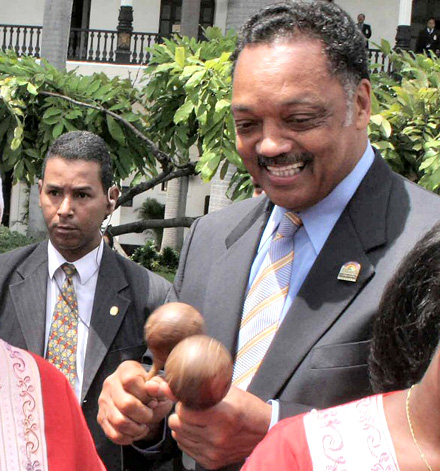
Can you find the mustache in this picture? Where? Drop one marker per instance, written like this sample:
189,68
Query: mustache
285,159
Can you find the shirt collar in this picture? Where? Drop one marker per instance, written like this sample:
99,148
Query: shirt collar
320,219
86,266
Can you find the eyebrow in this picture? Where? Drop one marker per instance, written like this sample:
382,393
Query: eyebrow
315,105
51,186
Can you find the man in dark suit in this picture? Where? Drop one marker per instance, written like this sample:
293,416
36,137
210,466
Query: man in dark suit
364,27
428,39
301,105
114,295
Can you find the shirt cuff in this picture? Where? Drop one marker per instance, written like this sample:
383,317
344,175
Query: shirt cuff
275,417
149,448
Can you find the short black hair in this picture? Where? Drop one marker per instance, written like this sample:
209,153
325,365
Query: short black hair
83,145
343,43
406,330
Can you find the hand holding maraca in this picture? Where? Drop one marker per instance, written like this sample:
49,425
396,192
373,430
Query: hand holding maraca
198,368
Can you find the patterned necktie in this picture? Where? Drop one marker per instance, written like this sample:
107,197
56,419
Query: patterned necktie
264,302
63,337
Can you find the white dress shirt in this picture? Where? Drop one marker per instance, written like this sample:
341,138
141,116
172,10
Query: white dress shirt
84,282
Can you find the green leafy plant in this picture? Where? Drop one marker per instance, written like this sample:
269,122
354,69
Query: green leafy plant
152,209
150,257
188,97
146,255
39,103
10,240
405,122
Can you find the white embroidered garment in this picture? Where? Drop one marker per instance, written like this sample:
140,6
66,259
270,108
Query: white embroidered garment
351,437
21,412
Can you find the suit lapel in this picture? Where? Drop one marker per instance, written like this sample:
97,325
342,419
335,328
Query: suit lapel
323,298
230,273
29,298
104,326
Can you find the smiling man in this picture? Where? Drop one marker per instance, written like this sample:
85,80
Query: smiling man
72,299
291,280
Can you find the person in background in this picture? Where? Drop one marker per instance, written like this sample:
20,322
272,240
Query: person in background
398,431
290,281
72,299
42,426
364,27
406,329
428,39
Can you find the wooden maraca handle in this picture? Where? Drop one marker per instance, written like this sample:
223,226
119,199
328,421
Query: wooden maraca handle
166,327
199,371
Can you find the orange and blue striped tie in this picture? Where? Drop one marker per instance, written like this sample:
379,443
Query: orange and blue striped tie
63,336
264,302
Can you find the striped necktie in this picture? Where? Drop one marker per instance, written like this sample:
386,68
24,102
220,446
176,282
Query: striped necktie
264,302
63,337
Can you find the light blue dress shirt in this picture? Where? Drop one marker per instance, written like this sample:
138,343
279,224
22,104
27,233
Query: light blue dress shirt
318,222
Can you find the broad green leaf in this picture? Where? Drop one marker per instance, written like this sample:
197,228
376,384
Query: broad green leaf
58,129
386,128
115,130
15,143
32,89
52,112
183,112
180,56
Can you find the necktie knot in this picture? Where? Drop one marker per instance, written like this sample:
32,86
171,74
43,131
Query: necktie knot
289,224
69,269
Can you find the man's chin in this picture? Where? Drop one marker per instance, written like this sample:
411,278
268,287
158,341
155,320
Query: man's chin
289,199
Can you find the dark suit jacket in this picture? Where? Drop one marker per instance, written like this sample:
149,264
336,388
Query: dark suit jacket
112,339
366,30
318,357
428,41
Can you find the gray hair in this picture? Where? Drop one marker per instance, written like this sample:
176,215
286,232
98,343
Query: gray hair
343,43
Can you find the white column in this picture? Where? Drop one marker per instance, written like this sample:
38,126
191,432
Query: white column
405,10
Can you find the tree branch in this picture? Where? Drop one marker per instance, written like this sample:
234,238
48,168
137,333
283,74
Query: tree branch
164,159
141,226
186,170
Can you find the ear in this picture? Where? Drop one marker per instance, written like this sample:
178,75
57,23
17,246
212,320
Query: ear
113,195
363,104
40,189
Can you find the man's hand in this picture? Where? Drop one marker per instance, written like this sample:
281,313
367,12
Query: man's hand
130,407
224,434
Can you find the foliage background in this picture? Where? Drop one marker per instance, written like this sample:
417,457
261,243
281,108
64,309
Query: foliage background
405,122
179,120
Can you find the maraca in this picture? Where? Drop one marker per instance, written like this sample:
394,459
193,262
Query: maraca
166,327
199,371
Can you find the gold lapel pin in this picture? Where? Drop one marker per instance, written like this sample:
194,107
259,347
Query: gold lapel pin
114,311
349,271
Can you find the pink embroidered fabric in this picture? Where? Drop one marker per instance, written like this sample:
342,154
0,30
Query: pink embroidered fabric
21,412
354,436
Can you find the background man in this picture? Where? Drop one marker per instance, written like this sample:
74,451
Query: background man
301,104
111,296
59,432
364,27
428,39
